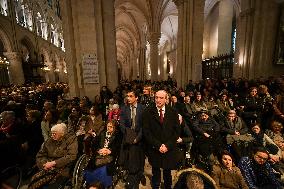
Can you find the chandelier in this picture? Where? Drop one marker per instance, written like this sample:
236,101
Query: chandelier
4,61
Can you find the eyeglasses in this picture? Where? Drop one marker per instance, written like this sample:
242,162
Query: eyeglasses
261,158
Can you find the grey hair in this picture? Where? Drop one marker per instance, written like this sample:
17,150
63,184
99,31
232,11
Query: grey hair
7,114
60,127
115,106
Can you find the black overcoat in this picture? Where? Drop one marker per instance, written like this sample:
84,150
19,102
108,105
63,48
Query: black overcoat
156,134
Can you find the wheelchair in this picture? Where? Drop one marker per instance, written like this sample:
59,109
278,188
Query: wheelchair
11,177
78,180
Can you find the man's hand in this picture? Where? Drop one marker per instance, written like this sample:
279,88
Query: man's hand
180,118
206,135
104,151
274,158
135,141
49,165
163,149
179,140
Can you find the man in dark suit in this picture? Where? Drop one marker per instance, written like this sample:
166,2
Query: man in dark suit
132,154
161,131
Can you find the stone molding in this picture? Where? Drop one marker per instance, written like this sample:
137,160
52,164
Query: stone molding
178,2
154,38
247,12
12,56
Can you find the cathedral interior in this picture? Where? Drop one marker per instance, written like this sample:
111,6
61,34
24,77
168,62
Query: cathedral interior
95,43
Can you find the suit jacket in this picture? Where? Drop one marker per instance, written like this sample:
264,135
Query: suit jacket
156,134
125,120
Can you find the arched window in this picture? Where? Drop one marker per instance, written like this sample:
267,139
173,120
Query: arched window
39,22
23,15
61,42
49,2
41,26
58,11
3,7
52,34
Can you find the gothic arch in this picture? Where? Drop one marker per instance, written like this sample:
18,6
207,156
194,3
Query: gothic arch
209,4
46,56
5,40
27,44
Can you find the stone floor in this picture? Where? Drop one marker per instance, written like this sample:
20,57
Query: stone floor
120,185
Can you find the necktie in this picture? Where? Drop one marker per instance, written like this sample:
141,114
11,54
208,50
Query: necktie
133,117
161,116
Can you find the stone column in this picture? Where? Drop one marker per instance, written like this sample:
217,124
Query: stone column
15,68
154,38
141,61
226,12
189,40
105,23
142,65
70,43
244,38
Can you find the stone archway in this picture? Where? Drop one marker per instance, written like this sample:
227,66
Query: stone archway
6,41
15,75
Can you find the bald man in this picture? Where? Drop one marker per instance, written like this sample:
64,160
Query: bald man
161,131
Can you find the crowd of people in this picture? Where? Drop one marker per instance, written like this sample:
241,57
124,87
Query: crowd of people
229,128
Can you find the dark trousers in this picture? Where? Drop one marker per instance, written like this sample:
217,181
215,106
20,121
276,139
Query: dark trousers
156,178
133,180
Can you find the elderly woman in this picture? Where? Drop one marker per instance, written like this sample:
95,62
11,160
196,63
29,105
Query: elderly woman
106,147
114,114
54,159
226,174
10,140
257,172
276,134
261,139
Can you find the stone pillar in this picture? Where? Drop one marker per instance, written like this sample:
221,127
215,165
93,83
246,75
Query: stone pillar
142,65
226,13
105,22
154,38
189,40
70,44
244,39
15,68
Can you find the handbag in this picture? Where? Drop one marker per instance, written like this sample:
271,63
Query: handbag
130,136
103,160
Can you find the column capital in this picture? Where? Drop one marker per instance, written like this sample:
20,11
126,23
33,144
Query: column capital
154,38
178,2
12,56
247,12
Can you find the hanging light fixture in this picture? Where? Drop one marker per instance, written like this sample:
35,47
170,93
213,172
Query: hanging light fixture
4,61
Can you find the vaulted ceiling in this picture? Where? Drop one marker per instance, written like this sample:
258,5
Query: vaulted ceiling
134,20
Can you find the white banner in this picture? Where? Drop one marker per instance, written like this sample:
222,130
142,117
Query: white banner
90,69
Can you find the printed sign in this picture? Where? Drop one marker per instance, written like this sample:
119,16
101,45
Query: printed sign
90,69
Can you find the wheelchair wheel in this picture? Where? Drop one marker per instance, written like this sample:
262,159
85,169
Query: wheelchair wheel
78,180
12,177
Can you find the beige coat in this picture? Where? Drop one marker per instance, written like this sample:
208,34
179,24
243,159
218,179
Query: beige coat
228,179
63,152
